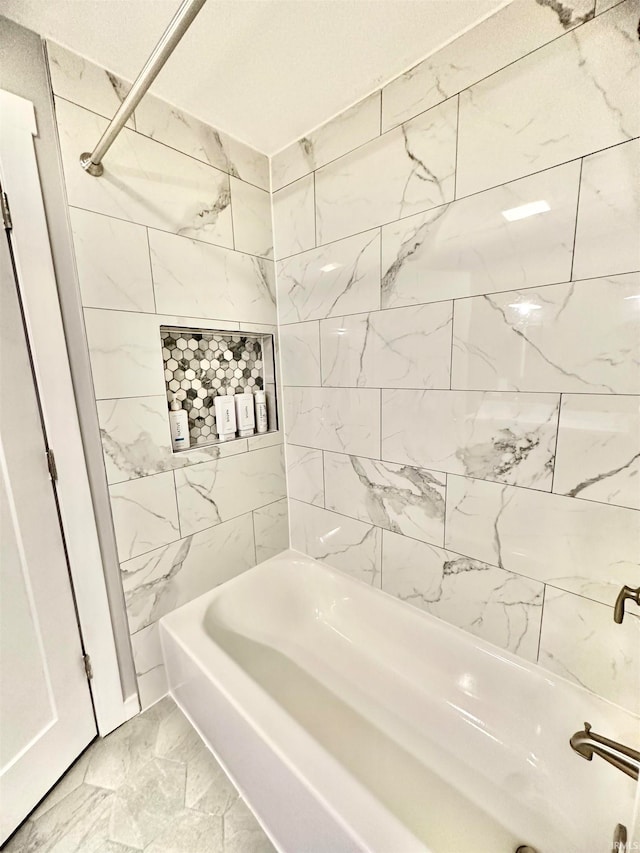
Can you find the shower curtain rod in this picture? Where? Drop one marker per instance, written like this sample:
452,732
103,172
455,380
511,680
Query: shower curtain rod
183,18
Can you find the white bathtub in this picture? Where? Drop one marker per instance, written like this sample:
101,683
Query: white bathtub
350,721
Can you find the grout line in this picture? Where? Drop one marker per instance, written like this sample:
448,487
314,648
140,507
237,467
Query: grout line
449,474
153,283
453,319
462,197
324,480
255,544
135,130
315,212
512,391
454,299
575,229
175,494
544,594
189,238
455,171
555,449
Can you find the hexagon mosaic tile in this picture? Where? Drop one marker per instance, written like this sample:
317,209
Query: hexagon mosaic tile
200,364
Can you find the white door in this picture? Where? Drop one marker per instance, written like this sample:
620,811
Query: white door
46,715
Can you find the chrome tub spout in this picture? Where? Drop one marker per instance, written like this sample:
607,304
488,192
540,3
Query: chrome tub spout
586,743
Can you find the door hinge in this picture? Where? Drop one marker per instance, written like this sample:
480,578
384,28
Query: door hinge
87,666
51,462
6,212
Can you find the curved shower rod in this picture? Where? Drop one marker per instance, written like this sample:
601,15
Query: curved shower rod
91,162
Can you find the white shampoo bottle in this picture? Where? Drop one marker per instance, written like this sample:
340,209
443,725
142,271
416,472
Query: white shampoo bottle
179,422
262,422
225,415
245,414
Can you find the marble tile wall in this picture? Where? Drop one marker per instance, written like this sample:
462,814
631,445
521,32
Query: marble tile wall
458,287
176,233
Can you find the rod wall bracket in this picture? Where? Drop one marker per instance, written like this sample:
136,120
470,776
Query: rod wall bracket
95,169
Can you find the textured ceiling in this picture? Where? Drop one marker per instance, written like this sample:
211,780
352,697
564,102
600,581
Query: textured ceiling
265,71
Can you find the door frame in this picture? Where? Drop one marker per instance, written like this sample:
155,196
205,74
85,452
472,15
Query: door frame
45,331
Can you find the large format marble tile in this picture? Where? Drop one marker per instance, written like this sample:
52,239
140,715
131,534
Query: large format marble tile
271,527
578,546
479,52
144,182
409,169
136,440
570,98
217,491
341,278
581,642
582,337
145,515
305,474
400,498
491,603
86,84
398,348
251,209
190,277
508,438
112,259
469,247
294,223
347,131
300,353
598,455
344,420
348,545
125,352
149,663
170,125
607,238
158,582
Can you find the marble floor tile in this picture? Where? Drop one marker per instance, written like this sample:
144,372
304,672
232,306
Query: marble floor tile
607,240
408,169
499,436
491,603
400,498
351,546
598,454
582,337
466,60
112,258
571,97
169,795
340,278
347,131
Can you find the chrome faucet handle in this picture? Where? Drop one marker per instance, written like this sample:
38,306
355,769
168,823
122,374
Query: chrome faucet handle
625,593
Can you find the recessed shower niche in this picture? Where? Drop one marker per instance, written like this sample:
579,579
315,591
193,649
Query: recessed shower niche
202,364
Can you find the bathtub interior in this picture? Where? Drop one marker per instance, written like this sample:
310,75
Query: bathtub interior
454,738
